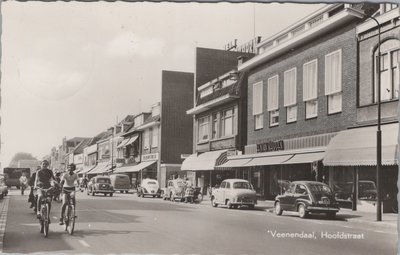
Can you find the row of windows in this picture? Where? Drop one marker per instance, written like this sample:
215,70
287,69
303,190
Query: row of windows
218,124
333,91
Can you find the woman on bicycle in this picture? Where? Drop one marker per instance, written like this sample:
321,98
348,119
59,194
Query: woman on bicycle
68,186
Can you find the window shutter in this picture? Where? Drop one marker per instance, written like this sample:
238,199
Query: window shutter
289,85
257,98
310,81
333,73
273,94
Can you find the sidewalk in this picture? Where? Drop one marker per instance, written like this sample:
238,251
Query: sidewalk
388,219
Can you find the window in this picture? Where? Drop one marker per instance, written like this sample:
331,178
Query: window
290,100
206,92
215,125
273,101
203,129
257,105
333,81
154,140
310,88
389,70
227,122
146,139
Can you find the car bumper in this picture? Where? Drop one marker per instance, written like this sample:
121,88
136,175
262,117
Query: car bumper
322,209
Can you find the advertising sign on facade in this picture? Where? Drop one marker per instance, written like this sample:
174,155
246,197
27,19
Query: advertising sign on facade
148,157
270,146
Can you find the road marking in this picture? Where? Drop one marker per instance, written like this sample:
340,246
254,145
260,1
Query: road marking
85,244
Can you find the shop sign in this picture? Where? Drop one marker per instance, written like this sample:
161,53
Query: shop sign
148,157
270,146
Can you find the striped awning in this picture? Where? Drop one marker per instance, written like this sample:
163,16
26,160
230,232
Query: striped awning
205,161
135,168
100,168
357,147
128,141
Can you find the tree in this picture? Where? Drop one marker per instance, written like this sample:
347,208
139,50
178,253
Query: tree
21,156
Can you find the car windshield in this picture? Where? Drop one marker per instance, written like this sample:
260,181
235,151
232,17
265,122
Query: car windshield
103,180
367,186
320,189
241,185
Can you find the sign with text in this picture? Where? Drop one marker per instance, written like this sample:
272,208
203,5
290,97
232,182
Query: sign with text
148,157
270,146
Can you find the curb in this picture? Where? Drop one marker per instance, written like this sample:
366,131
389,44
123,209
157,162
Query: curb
3,219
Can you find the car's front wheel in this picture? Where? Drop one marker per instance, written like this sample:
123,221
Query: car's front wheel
111,194
278,209
229,204
302,211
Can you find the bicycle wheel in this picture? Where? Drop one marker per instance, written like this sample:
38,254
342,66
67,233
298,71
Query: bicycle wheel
71,219
45,215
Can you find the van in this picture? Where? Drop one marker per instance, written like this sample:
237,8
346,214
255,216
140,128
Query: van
120,182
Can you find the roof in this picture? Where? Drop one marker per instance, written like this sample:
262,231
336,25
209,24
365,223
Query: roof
79,148
97,138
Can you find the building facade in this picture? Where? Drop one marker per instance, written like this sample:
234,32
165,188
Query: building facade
302,91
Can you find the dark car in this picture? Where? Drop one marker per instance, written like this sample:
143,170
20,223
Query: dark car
3,186
100,184
366,190
307,197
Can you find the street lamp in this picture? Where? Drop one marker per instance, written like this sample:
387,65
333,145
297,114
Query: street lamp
368,12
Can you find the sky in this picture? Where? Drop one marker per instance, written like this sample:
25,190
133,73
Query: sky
74,69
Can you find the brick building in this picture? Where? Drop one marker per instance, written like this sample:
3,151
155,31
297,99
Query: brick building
302,90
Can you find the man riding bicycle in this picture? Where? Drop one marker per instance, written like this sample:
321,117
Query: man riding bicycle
42,181
68,186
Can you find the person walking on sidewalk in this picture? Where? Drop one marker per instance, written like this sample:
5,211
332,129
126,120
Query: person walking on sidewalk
23,182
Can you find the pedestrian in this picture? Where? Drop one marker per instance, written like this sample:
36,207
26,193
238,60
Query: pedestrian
23,182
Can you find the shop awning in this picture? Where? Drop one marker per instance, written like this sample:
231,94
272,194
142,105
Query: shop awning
131,140
234,163
128,141
303,158
123,143
357,147
267,161
298,156
135,168
205,161
86,170
100,168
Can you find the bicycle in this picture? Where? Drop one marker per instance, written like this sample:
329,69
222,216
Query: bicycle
69,217
45,202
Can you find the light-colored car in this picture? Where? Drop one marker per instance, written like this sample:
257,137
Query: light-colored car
175,190
234,193
149,187
100,184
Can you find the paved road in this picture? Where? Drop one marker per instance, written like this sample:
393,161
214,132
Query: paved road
127,224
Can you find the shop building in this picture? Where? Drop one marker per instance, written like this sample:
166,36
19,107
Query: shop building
153,146
351,156
302,90
219,116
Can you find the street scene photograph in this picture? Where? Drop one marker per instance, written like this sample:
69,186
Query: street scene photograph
199,128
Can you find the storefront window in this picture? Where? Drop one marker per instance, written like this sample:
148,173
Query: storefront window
256,180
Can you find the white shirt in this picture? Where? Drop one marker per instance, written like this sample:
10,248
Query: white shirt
69,180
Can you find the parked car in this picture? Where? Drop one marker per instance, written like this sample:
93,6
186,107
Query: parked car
120,182
3,187
366,190
149,187
307,197
234,193
100,184
175,190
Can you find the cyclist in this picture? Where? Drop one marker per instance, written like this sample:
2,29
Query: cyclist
32,196
23,181
42,180
68,186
